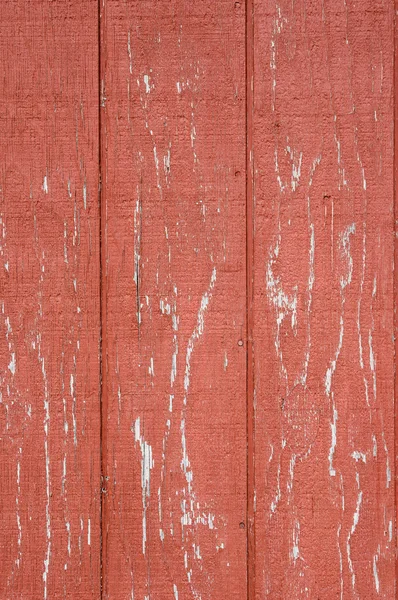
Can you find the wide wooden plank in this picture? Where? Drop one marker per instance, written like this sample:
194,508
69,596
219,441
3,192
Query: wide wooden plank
49,301
173,230
323,305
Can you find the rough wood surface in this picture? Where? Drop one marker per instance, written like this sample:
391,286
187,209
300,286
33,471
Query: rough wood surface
244,295
324,351
173,223
49,301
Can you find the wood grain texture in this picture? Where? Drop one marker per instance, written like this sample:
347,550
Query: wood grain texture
324,351
245,291
396,279
49,301
173,156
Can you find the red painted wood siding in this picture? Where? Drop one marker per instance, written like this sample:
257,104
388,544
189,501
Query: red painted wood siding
197,360
323,261
173,214
49,301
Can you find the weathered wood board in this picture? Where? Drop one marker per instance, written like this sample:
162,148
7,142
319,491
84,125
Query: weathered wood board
173,231
49,301
235,272
323,299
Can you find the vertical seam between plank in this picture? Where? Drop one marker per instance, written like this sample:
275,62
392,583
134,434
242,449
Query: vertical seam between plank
249,72
395,278
101,304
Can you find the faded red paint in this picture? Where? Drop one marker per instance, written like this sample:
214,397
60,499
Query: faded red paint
173,139
49,301
245,423
324,353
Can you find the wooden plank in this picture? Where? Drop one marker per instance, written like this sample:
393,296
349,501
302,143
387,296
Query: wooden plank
49,301
396,280
173,226
323,307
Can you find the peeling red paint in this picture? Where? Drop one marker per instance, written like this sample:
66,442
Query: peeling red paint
49,302
232,277
323,152
173,139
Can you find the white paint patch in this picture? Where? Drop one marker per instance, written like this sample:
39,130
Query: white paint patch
376,573
345,280
355,522
198,331
277,171
374,446
225,361
13,364
65,243
147,464
372,363
151,369
191,513
165,307
296,160
346,247
67,525
137,251
148,85
283,302
45,185
279,22
173,373
333,427
85,195
359,456
296,539
129,53
18,516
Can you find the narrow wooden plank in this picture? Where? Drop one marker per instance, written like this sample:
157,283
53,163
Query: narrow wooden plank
396,278
49,301
174,436
323,151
